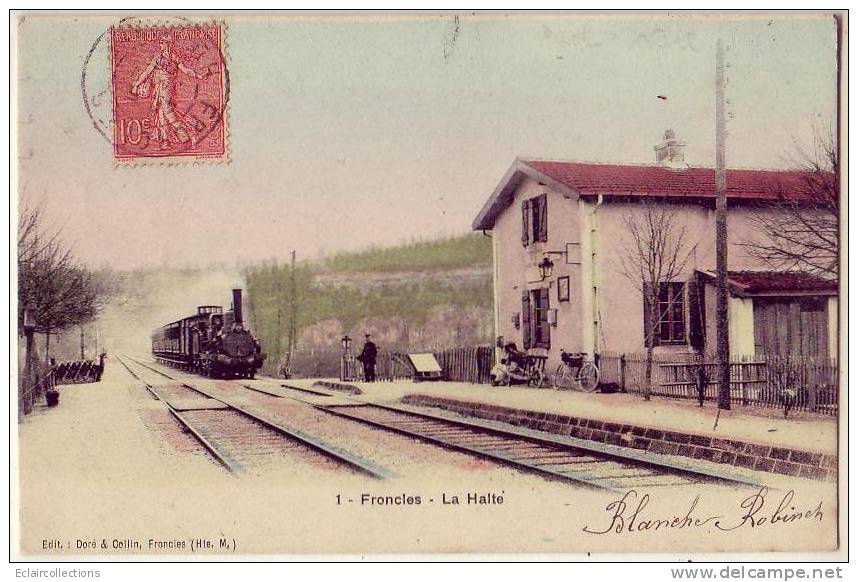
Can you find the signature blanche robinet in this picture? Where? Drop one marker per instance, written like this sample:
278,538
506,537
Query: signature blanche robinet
629,514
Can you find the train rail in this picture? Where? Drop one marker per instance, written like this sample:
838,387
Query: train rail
283,390
593,466
590,465
239,438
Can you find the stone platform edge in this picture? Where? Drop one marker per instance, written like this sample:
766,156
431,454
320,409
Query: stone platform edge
339,386
759,457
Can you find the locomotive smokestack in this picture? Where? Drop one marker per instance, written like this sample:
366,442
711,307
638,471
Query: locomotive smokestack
237,311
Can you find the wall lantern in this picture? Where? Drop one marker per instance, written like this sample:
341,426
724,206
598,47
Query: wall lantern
499,341
546,267
516,320
346,343
552,317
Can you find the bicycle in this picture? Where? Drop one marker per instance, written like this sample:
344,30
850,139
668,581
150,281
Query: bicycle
530,371
536,371
576,371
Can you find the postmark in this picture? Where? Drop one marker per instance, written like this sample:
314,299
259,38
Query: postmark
169,92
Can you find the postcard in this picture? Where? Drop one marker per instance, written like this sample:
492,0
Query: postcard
509,285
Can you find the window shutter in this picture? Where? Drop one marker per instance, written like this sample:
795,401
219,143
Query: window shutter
696,325
647,298
525,320
542,202
525,222
545,328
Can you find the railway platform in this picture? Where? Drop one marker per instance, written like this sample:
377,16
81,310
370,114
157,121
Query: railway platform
93,456
803,445
96,430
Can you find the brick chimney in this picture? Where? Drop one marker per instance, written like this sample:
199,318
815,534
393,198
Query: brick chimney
671,151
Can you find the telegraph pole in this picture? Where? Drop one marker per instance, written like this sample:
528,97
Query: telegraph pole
293,307
722,321
82,352
279,300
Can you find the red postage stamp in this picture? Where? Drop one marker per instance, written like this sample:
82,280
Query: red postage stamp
170,91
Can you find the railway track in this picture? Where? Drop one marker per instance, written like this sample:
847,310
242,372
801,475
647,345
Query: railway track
593,466
239,438
283,390
590,465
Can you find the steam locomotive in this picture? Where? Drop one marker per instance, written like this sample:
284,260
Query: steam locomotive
211,342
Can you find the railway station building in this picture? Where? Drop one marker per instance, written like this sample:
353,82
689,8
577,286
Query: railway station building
557,228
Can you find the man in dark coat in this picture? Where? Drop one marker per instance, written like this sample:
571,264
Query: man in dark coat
367,358
99,370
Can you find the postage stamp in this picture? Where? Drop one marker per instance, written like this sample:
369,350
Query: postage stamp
169,93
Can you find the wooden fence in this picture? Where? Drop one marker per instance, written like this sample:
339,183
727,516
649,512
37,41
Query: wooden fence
78,372
809,384
29,391
390,366
468,364
472,364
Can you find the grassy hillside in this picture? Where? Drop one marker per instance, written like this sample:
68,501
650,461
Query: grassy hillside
420,295
450,253
407,312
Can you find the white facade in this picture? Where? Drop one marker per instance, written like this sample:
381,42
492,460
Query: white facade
585,237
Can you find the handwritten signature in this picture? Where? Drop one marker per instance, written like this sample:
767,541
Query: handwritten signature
629,514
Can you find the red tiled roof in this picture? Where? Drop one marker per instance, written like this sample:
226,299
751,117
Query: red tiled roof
779,281
660,181
624,180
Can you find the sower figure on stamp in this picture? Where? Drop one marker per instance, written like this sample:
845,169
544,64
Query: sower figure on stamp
162,73
367,359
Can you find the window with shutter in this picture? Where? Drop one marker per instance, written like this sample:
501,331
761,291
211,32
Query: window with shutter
670,325
534,220
542,218
525,222
647,316
525,320
696,314
543,336
671,313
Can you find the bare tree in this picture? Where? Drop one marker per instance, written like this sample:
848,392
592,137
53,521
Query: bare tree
655,250
801,229
61,293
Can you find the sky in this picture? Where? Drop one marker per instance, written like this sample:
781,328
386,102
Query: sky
352,131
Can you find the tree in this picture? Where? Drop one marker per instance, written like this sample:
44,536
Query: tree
62,293
801,230
655,250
